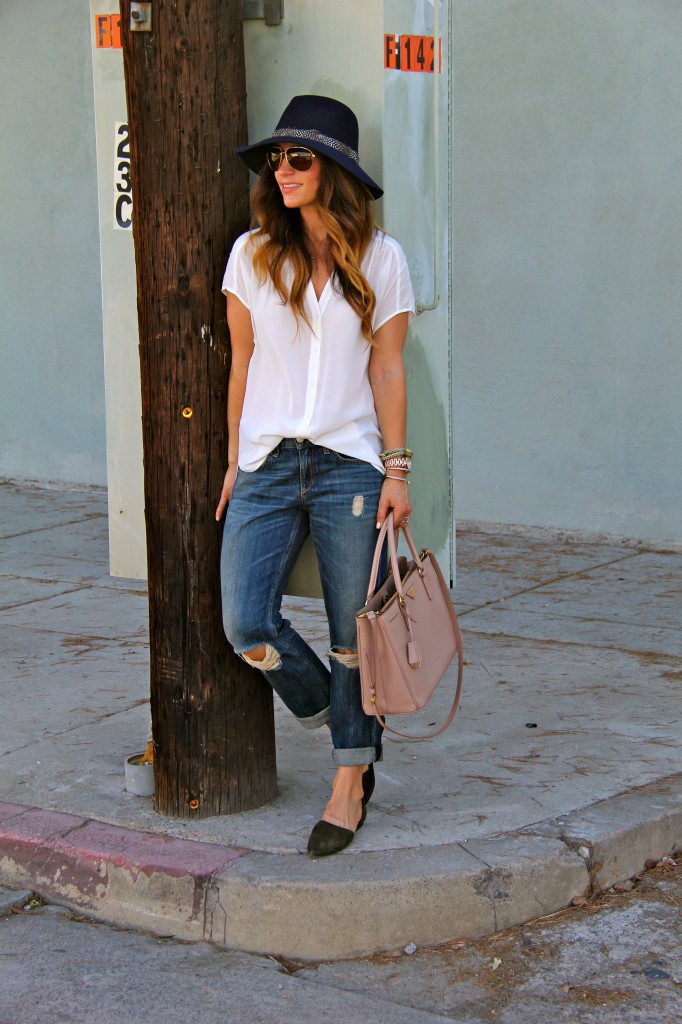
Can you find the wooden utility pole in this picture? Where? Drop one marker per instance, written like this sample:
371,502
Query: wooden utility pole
212,715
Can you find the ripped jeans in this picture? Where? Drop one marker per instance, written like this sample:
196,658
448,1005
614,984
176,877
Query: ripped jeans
302,488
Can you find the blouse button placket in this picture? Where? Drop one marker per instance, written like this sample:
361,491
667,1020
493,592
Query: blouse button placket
313,375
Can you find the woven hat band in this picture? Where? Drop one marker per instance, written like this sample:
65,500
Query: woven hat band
312,136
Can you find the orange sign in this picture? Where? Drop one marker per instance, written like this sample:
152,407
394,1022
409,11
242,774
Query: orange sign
411,53
108,31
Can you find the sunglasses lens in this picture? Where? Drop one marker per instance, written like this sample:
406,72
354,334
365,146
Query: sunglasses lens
300,159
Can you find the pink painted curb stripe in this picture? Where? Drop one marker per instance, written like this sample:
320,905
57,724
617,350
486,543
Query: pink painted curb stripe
33,829
12,810
146,851
33,825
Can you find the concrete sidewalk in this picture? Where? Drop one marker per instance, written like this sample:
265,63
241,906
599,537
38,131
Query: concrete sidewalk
562,770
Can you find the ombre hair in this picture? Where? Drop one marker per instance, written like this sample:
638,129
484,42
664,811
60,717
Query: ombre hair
346,211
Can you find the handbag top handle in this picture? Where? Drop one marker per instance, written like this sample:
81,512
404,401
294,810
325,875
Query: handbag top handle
388,530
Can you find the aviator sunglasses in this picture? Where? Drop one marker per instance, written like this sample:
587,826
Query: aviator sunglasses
298,157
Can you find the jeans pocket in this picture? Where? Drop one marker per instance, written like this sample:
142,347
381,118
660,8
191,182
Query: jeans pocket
270,457
344,459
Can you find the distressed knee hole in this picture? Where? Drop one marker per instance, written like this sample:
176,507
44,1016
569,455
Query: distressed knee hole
358,504
268,663
347,658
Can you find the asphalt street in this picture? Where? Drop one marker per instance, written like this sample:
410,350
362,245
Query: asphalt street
618,958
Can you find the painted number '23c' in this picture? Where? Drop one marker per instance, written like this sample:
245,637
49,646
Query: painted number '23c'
123,190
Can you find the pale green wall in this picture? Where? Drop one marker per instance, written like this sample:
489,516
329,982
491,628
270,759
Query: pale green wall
51,374
568,263
567,306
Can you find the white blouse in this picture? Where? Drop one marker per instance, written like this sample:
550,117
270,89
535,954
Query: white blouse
313,383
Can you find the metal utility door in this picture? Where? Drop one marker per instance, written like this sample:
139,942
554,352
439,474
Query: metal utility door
127,548
381,59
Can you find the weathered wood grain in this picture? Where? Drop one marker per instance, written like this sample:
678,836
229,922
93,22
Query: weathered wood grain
185,83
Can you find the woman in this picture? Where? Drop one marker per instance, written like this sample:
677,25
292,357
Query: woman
318,303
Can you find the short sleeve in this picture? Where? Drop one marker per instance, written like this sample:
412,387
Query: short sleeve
239,271
394,290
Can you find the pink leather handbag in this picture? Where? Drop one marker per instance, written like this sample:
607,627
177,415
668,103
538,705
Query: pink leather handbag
407,635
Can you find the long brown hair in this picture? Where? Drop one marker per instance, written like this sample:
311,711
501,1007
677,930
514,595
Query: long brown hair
346,210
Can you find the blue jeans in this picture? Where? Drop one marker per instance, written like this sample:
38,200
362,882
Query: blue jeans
302,488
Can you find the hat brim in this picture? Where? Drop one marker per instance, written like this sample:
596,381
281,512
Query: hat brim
254,158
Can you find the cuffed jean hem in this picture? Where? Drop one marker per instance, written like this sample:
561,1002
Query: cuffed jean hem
315,721
356,756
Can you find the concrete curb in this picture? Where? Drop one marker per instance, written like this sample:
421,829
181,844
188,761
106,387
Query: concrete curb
616,836
349,905
138,879
311,910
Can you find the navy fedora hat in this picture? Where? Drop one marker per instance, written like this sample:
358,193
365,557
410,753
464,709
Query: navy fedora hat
324,125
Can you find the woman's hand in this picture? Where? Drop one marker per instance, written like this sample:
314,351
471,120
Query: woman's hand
395,496
226,493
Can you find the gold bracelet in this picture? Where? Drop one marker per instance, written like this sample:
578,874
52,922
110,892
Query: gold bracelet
398,462
395,451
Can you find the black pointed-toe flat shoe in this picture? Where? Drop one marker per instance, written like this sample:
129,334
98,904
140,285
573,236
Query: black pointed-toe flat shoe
326,838
368,781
